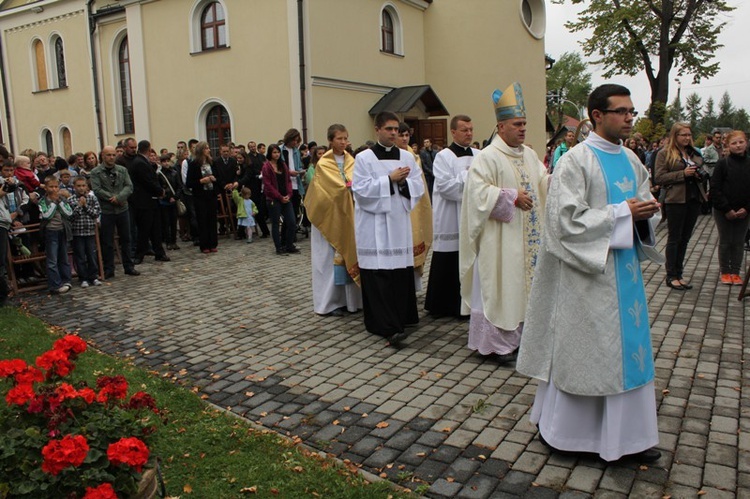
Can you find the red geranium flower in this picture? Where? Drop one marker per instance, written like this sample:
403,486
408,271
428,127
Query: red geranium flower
11,367
55,362
28,375
87,394
20,394
103,491
131,451
71,450
70,344
66,391
111,387
142,400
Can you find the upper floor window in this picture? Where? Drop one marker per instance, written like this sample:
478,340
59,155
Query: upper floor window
59,63
126,94
390,31
213,27
40,66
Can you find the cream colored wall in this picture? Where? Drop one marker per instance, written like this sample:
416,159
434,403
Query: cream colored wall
71,106
348,107
345,43
477,46
251,77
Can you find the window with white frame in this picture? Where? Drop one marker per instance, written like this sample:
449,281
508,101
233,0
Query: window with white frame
125,87
39,62
59,75
391,38
209,26
48,145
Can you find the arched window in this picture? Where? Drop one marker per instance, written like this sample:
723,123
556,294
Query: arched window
59,60
213,27
386,31
218,128
391,39
47,143
67,142
126,94
40,66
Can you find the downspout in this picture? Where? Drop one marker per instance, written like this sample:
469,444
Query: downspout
6,103
95,74
302,89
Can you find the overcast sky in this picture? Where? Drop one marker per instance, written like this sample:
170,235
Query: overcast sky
734,59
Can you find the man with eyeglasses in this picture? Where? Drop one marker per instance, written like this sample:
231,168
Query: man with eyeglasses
502,211
586,337
387,185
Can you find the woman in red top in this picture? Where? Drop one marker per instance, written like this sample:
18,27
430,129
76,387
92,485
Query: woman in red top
277,186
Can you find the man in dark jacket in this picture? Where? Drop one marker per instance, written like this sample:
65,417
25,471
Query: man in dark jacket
145,204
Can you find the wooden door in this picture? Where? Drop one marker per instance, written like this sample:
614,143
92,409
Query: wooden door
435,130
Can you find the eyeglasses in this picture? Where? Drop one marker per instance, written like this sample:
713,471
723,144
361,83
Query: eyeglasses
622,111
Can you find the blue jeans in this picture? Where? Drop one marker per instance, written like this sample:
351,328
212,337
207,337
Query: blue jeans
84,255
277,210
58,266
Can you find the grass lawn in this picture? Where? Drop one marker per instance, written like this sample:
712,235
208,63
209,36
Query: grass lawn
205,452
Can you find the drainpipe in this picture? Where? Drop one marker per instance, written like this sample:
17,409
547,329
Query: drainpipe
95,74
6,103
302,89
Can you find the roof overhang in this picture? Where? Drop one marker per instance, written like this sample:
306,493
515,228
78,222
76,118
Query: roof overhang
402,99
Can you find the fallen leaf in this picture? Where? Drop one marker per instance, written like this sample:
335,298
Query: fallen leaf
665,391
298,469
263,414
450,479
447,429
383,475
382,424
482,457
335,422
249,490
347,408
187,489
534,484
275,492
702,492
421,454
364,415
249,394
643,467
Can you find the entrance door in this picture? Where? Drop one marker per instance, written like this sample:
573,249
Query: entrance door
435,130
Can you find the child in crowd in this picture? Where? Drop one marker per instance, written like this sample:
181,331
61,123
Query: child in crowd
246,210
55,215
66,183
25,174
86,212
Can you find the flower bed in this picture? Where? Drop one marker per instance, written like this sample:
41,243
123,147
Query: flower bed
63,440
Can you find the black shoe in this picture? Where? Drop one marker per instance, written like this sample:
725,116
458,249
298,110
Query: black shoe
678,286
137,261
647,456
339,312
395,339
281,252
264,236
292,249
109,275
132,272
149,253
163,258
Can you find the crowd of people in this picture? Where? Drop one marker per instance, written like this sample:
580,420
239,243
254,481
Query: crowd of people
543,261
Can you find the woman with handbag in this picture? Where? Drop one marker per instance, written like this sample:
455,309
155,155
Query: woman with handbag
730,195
678,171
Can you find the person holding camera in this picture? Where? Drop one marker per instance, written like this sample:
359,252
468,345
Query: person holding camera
730,194
678,170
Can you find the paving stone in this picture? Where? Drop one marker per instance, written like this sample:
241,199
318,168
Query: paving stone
381,458
462,469
478,487
430,470
515,482
403,439
415,454
444,488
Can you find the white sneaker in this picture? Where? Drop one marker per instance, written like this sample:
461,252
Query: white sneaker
96,282
63,289
85,284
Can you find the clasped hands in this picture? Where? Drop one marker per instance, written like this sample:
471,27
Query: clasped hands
736,214
643,210
399,174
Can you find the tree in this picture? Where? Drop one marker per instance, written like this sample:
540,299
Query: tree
741,120
653,36
567,80
693,110
709,117
674,112
726,110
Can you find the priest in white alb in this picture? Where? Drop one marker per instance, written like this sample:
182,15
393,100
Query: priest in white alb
501,223
587,337
450,168
387,185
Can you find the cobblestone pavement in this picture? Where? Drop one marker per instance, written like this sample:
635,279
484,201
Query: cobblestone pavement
239,325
